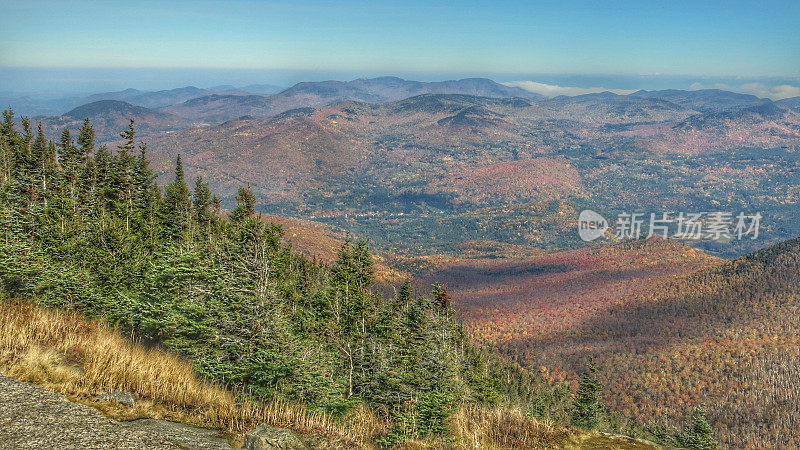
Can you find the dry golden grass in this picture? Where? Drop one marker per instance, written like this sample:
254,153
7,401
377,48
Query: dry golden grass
481,427
81,358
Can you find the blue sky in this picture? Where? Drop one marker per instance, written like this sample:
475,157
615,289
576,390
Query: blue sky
664,38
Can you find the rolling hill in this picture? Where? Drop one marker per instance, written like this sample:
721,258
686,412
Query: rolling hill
436,170
109,117
670,327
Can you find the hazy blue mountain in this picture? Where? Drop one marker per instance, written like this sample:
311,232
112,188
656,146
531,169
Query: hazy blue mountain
217,109
262,89
793,103
704,100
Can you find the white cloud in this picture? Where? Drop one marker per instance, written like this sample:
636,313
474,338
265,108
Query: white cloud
757,89
773,92
553,90
696,86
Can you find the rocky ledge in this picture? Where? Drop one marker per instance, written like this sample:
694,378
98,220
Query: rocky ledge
33,418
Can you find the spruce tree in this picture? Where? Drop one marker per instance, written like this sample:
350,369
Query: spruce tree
8,122
71,163
587,406
699,435
245,205
173,214
104,193
202,202
6,147
86,138
86,183
129,136
145,194
124,176
406,295
38,155
441,299
65,144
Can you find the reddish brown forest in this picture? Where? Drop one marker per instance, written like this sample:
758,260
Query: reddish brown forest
670,327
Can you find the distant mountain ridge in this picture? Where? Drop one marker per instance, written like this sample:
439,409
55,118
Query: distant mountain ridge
219,108
793,103
704,100
159,99
272,99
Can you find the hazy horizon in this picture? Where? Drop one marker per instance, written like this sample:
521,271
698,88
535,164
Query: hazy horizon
55,82
554,47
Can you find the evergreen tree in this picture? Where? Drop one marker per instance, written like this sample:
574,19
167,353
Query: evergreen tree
699,435
353,275
441,299
65,145
8,122
406,295
129,145
587,406
38,156
7,139
203,207
245,205
173,214
86,139
145,195
27,132
86,184
123,177
104,193
72,164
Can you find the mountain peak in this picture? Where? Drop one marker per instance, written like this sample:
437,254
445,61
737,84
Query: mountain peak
101,107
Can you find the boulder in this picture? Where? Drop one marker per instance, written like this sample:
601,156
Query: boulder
123,398
266,437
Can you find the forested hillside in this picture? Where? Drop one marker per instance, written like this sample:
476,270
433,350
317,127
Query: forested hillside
506,301
87,230
670,329
727,337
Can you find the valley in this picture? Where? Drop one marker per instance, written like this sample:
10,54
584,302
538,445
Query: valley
435,170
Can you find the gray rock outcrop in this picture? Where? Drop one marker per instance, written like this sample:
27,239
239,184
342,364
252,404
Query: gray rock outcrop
265,437
123,398
33,418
